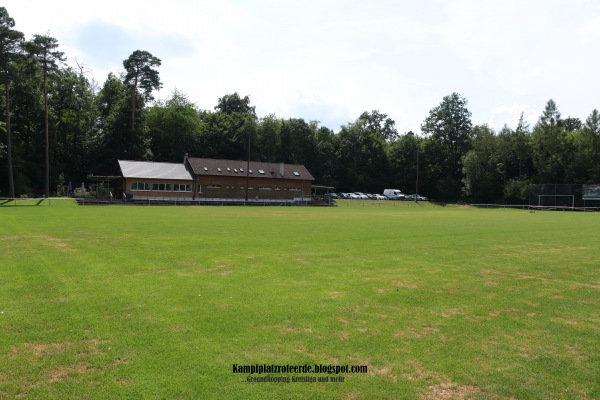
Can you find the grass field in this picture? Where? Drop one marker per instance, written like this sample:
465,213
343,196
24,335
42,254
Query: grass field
162,302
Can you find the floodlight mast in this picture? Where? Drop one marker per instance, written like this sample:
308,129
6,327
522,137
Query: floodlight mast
417,180
248,168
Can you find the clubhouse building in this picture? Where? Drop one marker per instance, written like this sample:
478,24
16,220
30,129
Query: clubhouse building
211,180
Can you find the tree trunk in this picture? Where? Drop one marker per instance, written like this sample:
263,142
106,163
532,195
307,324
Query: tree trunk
133,108
46,133
11,182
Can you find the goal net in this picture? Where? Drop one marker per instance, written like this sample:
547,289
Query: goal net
555,195
556,200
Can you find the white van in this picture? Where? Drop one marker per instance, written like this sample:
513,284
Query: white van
394,194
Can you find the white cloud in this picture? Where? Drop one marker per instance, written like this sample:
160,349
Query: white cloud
332,60
510,115
593,27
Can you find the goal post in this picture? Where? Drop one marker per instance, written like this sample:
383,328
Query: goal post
556,200
555,195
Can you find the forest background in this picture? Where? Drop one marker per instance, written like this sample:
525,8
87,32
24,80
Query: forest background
60,126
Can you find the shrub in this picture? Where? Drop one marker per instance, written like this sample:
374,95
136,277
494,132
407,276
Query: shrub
515,191
60,186
78,192
101,191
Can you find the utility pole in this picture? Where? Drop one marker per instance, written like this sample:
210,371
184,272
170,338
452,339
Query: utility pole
248,167
417,180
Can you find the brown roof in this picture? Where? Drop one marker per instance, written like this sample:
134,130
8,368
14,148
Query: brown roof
212,167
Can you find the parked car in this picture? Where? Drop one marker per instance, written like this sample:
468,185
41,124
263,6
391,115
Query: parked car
361,195
395,197
353,196
331,196
416,197
393,194
380,197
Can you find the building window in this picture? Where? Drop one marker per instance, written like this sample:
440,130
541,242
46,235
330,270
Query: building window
182,187
161,187
140,186
155,187
200,188
265,188
213,186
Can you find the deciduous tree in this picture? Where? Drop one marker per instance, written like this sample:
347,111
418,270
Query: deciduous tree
591,131
380,124
363,159
449,127
482,177
174,128
76,115
402,155
233,103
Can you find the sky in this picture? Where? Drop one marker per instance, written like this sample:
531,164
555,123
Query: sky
331,60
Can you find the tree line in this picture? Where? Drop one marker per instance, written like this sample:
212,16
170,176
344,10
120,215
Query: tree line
60,126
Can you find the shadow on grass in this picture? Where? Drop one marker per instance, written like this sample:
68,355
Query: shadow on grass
23,202
438,203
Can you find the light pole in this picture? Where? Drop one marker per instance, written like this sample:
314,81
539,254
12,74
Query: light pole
417,179
247,168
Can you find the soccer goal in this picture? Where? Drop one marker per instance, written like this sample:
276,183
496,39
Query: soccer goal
556,200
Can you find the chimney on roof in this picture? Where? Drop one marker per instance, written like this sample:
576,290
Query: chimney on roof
281,169
185,158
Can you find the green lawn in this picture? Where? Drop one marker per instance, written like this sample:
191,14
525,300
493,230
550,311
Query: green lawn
161,302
